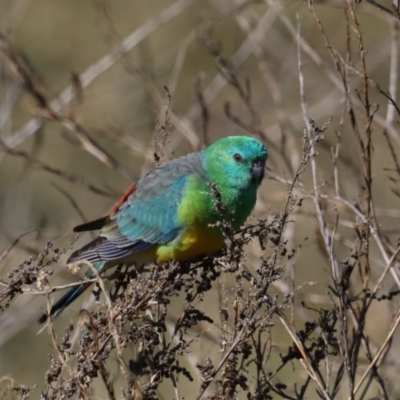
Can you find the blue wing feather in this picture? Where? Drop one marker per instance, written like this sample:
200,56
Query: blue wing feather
148,216
153,220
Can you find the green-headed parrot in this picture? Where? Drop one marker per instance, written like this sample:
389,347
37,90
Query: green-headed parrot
170,213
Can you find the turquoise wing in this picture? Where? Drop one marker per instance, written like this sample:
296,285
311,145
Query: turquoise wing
148,215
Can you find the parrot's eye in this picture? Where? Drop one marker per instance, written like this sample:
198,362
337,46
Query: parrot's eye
237,157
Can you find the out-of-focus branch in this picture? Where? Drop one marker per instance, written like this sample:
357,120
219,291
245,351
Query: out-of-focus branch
102,65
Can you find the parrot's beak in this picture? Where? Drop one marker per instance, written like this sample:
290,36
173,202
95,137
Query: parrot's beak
257,171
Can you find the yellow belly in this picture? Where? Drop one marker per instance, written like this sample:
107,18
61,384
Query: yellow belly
194,242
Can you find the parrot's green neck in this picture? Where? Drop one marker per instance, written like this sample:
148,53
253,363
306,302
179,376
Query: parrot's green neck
206,203
237,203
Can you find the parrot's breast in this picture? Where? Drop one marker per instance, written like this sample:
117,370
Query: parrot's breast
196,214
197,240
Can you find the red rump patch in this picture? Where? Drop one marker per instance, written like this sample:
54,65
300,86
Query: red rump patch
123,199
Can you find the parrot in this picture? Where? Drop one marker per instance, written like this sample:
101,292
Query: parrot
171,214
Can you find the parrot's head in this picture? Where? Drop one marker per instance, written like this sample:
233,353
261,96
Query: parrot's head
236,162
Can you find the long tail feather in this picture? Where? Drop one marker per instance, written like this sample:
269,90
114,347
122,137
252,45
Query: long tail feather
70,296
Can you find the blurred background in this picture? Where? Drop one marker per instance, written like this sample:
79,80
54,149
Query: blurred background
103,67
